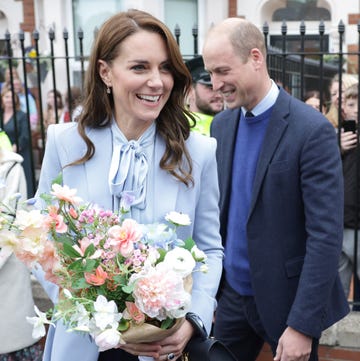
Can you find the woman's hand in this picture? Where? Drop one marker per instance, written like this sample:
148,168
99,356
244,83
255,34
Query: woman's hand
170,348
348,140
175,344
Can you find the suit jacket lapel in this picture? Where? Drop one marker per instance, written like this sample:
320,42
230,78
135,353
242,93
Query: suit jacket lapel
227,155
275,130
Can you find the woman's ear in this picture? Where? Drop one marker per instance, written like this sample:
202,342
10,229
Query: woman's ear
104,72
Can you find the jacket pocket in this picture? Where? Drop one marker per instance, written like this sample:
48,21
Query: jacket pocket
294,266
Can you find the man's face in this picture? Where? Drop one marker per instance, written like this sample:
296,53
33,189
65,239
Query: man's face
207,100
235,79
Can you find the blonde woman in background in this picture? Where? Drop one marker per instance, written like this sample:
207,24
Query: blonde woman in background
347,80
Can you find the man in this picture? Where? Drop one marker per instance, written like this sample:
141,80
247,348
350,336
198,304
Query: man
281,205
202,100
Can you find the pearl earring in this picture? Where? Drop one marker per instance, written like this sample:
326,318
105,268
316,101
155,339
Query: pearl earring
108,90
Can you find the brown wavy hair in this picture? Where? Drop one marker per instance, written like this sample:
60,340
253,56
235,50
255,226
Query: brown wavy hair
98,106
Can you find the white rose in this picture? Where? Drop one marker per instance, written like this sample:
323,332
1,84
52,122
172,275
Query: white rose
198,254
184,307
108,339
105,313
180,260
178,218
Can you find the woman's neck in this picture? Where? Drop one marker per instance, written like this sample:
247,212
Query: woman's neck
7,114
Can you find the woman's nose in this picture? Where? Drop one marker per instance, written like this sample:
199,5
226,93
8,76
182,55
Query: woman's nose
155,79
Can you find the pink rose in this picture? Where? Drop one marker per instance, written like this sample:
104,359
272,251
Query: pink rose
122,238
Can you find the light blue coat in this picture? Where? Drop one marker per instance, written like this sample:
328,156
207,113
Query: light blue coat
200,202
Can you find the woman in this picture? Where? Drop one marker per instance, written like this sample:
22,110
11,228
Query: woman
346,81
312,98
133,135
17,301
53,112
18,133
20,91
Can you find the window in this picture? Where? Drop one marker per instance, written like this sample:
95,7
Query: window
184,14
89,16
293,43
297,10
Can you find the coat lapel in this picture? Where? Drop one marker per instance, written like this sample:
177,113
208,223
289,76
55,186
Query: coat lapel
165,186
97,168
275,130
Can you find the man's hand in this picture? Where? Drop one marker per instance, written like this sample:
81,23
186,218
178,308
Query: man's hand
293,346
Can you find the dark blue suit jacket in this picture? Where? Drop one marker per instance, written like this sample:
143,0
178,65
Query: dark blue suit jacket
295,222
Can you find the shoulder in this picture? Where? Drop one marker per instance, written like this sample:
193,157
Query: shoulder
8,160
300,115
201,147
61,129
225,114
198,141
21,115
225,120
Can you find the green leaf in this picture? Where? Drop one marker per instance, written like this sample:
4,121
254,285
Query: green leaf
120,280
167,323
123,325
80,284
70,251
127,289
162,254
90,250
189,244
76,266
90,265
58,179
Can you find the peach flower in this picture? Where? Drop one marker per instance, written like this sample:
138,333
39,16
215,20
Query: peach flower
98,278
65,193
122,238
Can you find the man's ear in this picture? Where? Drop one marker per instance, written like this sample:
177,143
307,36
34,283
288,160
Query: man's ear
256,56
104,72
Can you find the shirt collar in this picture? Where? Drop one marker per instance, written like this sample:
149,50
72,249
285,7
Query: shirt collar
267,102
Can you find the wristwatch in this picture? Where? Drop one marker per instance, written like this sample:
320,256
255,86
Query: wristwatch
197,323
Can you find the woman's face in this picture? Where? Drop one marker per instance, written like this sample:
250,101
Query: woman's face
140,79
7,100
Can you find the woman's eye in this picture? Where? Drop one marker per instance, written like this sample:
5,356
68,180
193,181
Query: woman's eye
166,67
138,67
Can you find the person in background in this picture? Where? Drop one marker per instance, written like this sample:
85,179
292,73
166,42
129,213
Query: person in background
19,133
5,143
134,131
333,112
312,98
7,78
73,110
53,112
20,91
16,303
349,142
281,205
202,100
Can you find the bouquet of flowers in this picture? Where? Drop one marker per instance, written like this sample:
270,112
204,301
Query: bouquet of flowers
119,281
